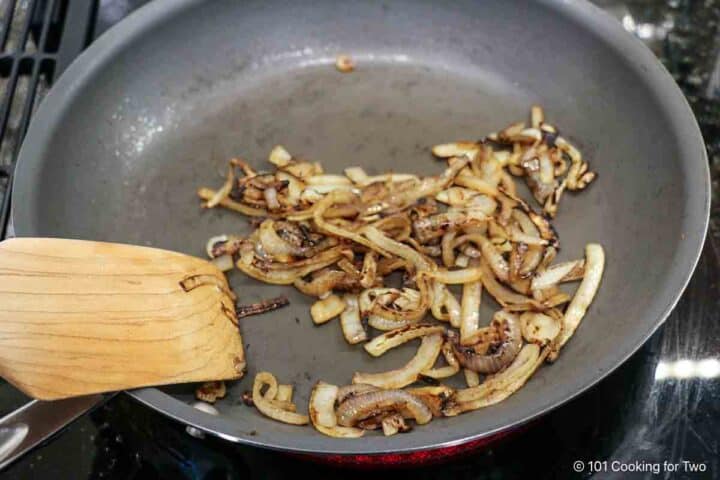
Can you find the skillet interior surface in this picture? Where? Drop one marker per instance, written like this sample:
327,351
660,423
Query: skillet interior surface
155,108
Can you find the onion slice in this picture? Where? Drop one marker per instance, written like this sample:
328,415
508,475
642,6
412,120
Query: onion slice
382,343
539,328
561,272
266,406
350,323
594,266
455,277
224,191
360,407
472,379
327,309
435,397
470,310
284,393
508,325
223,262
208,194
452,367
322,412
498,387
261,306
423,359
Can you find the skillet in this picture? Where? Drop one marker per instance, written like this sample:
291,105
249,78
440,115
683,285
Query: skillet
156,106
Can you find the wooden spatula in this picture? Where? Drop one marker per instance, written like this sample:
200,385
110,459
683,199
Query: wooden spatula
80,317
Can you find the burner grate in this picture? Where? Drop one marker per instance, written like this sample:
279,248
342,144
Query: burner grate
38,40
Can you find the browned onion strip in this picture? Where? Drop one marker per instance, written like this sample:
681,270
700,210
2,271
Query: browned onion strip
561,272
539,328
448,252
453,309
419,261
210,391
508,325
288,276
223,192
382,343
261,307
266,406
358,176
423,359
350,323
477,184
393,304
594,265
326,309
271,198
456,196
369,270
359,407
454,277
389,265
500,386
279,156
207,194
527,354
526,225
494,259
332,180
273,244
470,310
472,379
339,196
456,149
452,367
531,261
396,226
517,236
435,226
335,253
321,284
503,295
435,397
284,393
537,117
322,412
347,391
224,262
348,267
386,324
393,424
444,305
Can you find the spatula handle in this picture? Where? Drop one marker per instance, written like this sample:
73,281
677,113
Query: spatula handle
36,421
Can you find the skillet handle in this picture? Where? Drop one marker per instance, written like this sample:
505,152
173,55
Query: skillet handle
36,421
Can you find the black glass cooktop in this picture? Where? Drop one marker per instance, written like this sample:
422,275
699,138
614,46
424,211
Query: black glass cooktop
658,416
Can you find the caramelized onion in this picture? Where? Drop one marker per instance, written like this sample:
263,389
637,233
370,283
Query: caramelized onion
386,341
384,249
423,359
266,406
594,265
502,354
360,407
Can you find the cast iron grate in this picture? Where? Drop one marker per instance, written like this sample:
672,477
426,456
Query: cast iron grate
38,39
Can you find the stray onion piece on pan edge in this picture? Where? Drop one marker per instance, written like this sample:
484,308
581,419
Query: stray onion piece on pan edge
338,238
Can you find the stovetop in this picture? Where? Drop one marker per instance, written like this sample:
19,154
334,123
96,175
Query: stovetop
657,416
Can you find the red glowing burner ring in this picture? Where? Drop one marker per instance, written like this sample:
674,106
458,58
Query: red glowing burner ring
411,459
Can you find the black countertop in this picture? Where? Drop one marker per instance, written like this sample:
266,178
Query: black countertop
657,416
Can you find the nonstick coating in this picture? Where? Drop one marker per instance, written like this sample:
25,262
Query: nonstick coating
157,105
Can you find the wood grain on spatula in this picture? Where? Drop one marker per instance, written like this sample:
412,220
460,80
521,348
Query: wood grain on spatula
80,317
